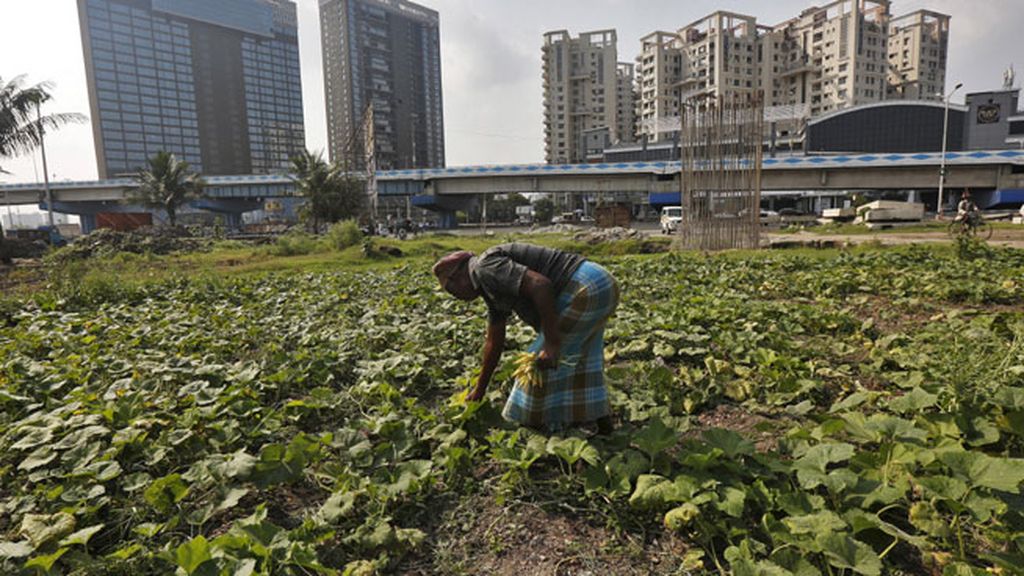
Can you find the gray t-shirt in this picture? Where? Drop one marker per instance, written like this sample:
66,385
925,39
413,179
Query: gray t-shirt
499,271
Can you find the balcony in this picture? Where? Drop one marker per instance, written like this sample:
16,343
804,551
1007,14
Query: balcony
801,65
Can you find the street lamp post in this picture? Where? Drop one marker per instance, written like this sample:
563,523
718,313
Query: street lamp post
945,138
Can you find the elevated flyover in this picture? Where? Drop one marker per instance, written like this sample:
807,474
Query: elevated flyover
999,172
992,170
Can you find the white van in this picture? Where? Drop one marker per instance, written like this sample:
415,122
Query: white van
671,216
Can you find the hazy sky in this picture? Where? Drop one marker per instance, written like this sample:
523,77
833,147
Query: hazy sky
491,63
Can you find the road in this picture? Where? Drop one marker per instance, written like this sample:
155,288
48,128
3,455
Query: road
1011,238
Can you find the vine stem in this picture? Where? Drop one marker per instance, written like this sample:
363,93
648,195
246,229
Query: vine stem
895,541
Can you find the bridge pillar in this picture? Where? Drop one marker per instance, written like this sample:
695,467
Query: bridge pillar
448,220
88,223
230,209
445,206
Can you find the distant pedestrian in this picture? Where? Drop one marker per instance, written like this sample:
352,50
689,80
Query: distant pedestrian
568,301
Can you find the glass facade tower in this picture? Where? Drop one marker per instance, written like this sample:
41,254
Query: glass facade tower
216,83
384,54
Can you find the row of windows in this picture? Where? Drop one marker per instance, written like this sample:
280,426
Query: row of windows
116,148
122,166
118,126
145,49
141,56
168,100
144,67
122,32
144,132
250,50
105,20
162,87
120,147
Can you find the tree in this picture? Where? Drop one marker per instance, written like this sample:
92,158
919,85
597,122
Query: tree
21,123
544,210
503,209
166,184
331,194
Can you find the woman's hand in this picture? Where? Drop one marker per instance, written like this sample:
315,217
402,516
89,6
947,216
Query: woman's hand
549,355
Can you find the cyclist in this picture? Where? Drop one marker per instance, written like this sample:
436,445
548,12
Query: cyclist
967,211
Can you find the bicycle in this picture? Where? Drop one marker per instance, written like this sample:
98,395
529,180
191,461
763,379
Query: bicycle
970,227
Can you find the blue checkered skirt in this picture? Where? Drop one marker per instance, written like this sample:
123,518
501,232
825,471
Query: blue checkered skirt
574,392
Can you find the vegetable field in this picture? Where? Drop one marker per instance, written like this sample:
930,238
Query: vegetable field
779,413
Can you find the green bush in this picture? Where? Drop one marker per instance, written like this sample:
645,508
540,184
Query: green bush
294,244
344,235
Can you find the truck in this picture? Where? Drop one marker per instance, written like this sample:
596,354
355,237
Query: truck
524,215
671,217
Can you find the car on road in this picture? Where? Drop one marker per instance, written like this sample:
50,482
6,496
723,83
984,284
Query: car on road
671,217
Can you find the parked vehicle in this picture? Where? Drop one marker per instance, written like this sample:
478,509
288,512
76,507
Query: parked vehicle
671,216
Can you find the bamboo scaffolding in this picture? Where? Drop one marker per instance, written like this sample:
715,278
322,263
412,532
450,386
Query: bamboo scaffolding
721,142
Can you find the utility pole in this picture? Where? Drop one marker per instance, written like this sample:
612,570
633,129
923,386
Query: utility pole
942,169
46,172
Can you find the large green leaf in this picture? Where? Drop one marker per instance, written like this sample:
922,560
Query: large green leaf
981,470
844,552
730,443
654,491
655,437
339,505
731,501
943,487
682,516
913,402
33,437
45,562
573,449
927,519
819,456
81,536
165,492
192,554
824,522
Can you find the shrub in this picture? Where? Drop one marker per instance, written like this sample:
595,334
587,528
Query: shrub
344,235
294,244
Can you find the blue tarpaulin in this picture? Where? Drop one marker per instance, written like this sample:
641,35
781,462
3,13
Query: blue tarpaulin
1005,199
662,199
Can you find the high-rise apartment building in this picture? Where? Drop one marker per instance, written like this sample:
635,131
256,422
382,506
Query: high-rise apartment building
217,84
918,45
625,101
659,76
831,57
384,54
584,89
720,56
845,53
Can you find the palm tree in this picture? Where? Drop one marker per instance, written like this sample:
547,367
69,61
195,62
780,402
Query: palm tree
166,184
21,124
331,194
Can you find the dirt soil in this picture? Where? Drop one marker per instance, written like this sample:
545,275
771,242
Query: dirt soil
520,538
1001,237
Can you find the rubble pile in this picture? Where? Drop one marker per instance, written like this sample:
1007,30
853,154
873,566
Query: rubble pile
558,229
600,235
152,240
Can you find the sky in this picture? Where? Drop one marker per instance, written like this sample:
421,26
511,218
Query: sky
491,63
